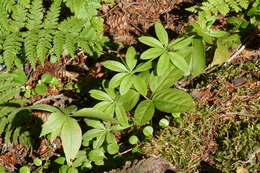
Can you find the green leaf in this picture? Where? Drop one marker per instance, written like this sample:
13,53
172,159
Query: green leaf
129,100
111,139
126,84
158,83
217,33
116,80
24,169
121,115
133,140
198,57
180,43
43,107
93,113
152,53
100,140
96,155
37,162
179,62
140,85
115,66
164,123
172,100
144,112
143,66
150,41
55,121
148,131
100,95
41,89
112,148
93,133
72,170
71,138
161,33
46,78
19,76
163,64
95,124
130,58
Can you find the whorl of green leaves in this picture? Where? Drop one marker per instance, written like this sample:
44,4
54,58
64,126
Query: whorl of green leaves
220,6
26,28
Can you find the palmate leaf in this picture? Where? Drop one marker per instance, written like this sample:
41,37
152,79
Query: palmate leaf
93,113
163,64
179,62
71,137
161,33
152,53
129,100
100,95
172,100
116,80
150,41
140,85
121,115
130,58
144,112
126,84
55,122
115,66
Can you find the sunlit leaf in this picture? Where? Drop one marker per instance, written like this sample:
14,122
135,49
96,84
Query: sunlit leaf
71,137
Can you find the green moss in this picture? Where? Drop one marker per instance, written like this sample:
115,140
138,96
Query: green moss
224,130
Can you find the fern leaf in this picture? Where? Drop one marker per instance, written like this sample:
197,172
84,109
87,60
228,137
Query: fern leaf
7,5
52,16
69,44
19,16
34,18
11,46
243,3
30,43
8,95
16,135
8,133
4,21
24,3
59,40
83,9
3,123
44,44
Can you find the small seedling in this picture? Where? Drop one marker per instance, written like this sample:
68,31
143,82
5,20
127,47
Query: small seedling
164,123
133,140
148,131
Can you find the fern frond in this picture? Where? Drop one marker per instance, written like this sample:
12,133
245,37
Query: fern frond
19,17
30,43
24,3
11,48
83,9
4,21
70,44
7,5
220,6
9,94
44,44
243,3
59,40
34,18
3,123
52,17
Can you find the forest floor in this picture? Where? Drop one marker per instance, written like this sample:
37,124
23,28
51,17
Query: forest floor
222,135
